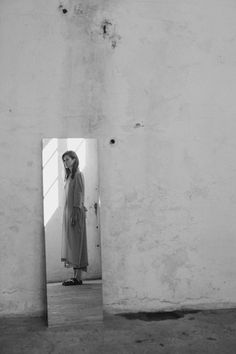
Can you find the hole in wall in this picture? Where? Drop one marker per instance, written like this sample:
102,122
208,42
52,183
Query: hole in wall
139,125
60,7
106,27
109,32
112,141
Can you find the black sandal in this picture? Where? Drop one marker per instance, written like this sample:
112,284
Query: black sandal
72,281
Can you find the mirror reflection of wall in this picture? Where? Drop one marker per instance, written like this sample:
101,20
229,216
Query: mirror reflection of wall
69,301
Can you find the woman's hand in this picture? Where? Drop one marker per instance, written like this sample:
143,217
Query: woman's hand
73,220
74,216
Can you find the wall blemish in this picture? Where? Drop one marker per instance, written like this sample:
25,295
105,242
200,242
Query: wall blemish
109,32
112,141
106,25
139,125
62,9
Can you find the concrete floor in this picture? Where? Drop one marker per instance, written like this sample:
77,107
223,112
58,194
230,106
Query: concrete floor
178,333
202,332
74,304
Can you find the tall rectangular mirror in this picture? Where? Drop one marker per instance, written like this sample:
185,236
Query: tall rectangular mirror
72,230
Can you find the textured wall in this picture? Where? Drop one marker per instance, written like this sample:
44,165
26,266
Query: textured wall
172,79
49,79
159,78
169,204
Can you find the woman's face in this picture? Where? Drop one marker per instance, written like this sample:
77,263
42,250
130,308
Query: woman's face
68,161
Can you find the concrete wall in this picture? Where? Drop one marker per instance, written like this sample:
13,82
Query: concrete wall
159,78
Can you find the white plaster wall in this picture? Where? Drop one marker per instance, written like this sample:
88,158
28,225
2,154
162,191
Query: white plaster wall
161,81
172,178
47,73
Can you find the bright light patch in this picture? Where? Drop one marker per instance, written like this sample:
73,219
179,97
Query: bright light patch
50,173
50,179
51,202
79,146
49,150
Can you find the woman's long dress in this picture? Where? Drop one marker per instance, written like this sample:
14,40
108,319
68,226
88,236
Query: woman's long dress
74,238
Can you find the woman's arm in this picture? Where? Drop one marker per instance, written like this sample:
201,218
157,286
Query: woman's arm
78,197
78,190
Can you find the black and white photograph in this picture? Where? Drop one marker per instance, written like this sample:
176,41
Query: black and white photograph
118,177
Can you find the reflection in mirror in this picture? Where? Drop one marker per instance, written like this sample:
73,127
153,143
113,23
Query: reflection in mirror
72,230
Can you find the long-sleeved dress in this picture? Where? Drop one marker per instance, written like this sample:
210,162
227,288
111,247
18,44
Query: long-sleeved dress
74,238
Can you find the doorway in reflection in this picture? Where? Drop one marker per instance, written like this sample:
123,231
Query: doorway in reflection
73,303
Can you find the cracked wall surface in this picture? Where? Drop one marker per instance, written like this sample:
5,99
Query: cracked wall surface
155,83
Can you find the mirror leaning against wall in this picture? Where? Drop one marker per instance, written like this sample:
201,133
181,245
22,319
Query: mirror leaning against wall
71,207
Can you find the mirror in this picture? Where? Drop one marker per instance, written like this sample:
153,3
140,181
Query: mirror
71,207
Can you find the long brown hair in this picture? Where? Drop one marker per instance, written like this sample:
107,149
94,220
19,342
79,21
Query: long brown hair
75,166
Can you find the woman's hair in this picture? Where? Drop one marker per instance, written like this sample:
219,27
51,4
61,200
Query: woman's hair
75,166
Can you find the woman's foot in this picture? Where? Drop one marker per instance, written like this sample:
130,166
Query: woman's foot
72,281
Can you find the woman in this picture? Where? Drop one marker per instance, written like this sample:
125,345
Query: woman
74,239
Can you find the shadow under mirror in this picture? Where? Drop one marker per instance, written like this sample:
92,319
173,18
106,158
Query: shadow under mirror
72,230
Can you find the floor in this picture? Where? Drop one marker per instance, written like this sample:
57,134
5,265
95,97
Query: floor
165,333
74,304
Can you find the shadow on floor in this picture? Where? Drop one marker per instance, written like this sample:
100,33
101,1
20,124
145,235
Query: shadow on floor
203,332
